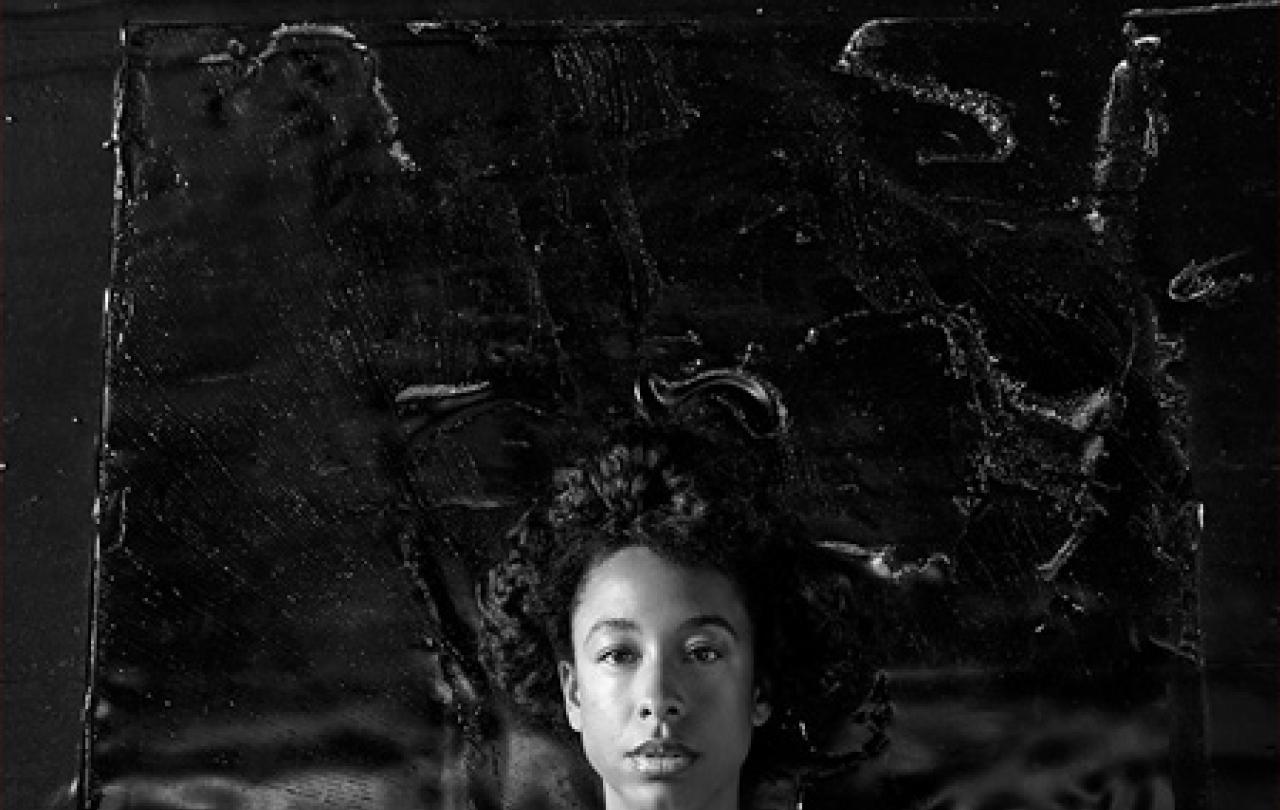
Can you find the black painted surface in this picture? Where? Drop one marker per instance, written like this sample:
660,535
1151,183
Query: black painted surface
51,501
307,236
57,235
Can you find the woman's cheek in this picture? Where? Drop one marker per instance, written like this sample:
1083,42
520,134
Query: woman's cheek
608,692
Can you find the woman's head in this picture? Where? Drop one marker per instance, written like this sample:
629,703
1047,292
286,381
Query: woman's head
653,597
661,595
661,681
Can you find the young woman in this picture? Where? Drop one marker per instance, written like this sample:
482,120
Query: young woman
668,612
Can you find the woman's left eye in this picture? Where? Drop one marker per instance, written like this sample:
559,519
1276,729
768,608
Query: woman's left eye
704,654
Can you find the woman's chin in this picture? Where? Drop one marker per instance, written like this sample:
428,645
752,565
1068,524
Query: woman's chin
672,793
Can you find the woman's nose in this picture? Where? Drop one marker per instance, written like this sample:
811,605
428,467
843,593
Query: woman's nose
660,694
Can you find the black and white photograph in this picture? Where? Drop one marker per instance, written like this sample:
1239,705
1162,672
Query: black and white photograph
622,406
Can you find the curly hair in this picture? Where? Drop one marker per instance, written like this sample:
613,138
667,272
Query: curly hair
700,504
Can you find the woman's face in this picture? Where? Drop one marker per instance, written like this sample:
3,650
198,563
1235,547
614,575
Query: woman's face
661,686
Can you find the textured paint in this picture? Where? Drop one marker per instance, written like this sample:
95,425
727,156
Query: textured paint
375,286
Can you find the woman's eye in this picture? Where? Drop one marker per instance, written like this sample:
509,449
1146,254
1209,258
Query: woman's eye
704,654
618,656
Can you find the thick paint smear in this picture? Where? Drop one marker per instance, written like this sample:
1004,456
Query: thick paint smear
375,286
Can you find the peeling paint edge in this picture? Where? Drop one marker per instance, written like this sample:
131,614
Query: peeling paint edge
80,791
1198,11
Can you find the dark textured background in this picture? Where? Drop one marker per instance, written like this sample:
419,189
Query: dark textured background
57,235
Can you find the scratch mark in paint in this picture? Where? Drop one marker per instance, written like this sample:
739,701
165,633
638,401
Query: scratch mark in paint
236,58
1195,282
986,109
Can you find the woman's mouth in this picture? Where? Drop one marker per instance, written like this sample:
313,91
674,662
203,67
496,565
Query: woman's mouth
662,758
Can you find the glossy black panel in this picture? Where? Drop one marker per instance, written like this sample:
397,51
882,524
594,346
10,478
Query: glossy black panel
376,283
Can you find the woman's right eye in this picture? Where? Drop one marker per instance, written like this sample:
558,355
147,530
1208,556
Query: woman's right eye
618,656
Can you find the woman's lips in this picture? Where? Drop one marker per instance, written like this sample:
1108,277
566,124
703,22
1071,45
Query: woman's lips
662,758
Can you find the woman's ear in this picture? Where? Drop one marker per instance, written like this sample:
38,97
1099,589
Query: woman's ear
569,688
761,708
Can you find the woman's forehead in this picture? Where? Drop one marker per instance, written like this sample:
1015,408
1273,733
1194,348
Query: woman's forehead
640,586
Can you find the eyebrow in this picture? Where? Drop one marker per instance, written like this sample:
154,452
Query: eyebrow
711,620
627,625
620,625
